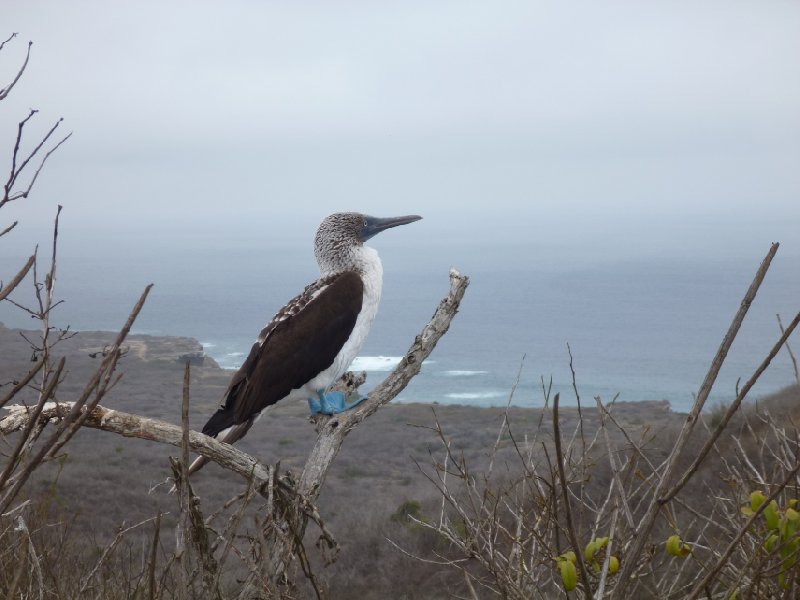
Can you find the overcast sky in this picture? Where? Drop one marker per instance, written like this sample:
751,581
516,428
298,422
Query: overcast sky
654,127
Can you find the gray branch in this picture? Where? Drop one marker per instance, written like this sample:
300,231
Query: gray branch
331,434
333,430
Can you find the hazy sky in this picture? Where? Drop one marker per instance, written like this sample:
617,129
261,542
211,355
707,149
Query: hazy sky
627,127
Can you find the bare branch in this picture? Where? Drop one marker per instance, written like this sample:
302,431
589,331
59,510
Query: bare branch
646,524
6,90
25,438
791,354
296,500
26,193
730,412
9,195
79,410
9,228
109,549
11,37
19,385
573,536
721,560
333,431
8,288
151,567
135,426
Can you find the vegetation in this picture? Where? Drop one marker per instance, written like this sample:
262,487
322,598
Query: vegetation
609,500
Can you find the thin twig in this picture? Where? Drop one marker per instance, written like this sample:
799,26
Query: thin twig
151,567
722,559
573,536
108,550
791,354
9,228
6,90
688,473
76,416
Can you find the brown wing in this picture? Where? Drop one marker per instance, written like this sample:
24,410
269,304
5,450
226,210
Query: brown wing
301,341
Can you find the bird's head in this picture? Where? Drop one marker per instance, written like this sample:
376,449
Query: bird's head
340,234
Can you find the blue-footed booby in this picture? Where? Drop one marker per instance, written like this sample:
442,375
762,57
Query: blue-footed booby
312,340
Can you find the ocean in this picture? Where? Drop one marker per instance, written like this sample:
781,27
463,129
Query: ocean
638,328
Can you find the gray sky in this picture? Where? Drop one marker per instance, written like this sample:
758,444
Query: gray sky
621,127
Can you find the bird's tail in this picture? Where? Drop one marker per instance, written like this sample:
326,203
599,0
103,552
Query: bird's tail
229,436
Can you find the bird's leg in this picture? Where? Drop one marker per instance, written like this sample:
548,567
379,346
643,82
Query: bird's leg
333,402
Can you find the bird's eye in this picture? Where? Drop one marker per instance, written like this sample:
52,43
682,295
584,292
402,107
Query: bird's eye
365,223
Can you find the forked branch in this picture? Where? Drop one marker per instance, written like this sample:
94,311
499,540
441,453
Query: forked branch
332,431
642,534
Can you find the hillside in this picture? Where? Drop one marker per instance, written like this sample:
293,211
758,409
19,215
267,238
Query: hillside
105,479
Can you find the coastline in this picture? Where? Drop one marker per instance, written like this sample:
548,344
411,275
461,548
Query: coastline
379,468
157,351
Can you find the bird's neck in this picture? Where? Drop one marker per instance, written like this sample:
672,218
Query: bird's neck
361,259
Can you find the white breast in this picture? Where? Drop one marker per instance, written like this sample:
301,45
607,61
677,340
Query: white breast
369,265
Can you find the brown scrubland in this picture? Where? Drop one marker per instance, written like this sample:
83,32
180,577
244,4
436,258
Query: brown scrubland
376,496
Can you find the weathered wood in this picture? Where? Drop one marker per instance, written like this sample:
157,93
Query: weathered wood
300,495
333,430
154,430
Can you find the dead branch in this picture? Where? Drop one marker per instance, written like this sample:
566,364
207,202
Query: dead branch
9,228
573,536
7,90
791,354
9,287
191,524
135,426
296,506
642,533
721,560
333,431
18,163
69,421
729,413
151,566
109,549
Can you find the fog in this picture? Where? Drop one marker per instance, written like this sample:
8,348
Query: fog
614,129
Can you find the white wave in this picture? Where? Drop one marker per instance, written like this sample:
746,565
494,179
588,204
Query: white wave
235,354
378,363
475,395
375,363
463,373
208,345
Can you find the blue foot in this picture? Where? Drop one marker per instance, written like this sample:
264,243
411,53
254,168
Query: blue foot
331,403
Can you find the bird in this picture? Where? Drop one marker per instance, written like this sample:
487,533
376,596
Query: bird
310,342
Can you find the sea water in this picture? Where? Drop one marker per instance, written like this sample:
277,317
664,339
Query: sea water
637,329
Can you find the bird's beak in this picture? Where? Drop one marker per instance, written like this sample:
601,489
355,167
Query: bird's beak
374,225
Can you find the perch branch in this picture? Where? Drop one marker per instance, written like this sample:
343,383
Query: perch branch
333,430
135,426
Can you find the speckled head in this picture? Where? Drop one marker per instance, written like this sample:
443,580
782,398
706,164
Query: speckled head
341,234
